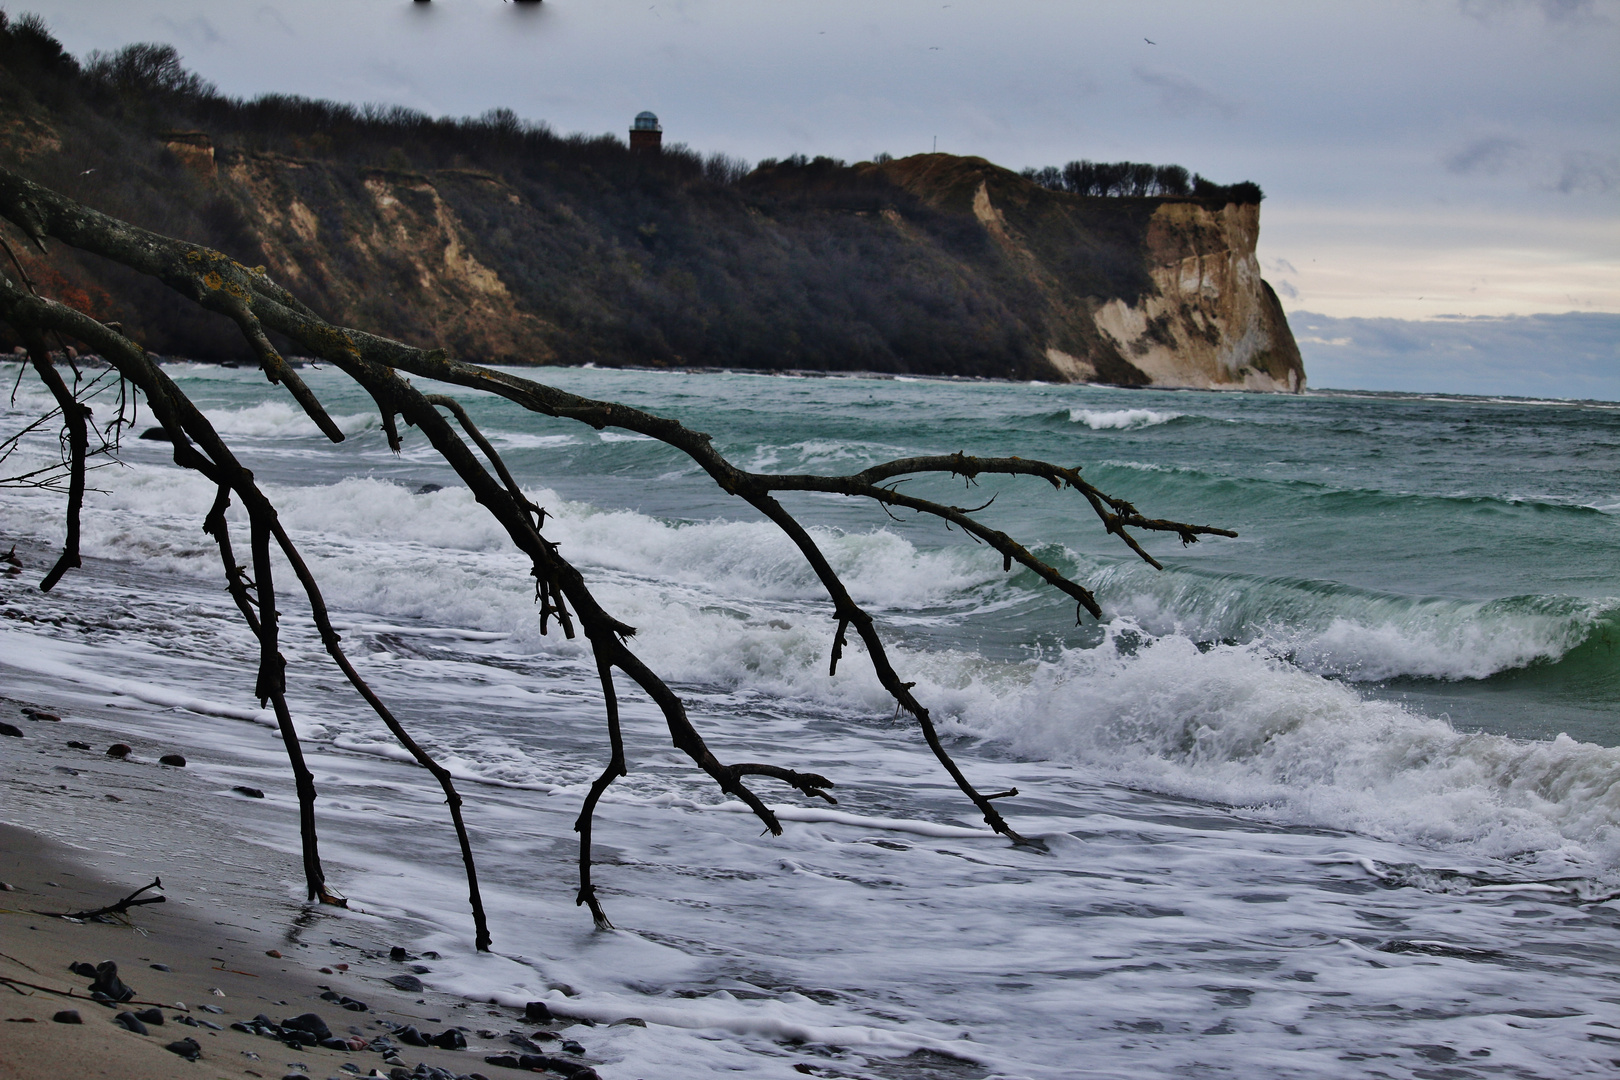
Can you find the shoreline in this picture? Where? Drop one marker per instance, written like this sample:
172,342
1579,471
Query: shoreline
233,940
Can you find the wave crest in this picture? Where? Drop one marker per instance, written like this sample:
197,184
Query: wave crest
1121,419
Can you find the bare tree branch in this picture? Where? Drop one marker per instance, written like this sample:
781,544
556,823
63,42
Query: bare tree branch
258,304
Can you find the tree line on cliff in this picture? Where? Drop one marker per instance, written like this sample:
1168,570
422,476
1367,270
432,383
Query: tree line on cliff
667,259
1137,179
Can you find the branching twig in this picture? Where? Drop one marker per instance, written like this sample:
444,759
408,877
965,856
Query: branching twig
258,304
117,908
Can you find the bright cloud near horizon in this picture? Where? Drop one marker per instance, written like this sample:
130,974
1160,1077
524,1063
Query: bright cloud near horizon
1420,158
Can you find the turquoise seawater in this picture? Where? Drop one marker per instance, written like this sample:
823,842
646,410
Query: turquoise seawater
1460,554
1337,797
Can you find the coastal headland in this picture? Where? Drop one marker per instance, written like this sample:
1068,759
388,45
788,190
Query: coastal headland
502,241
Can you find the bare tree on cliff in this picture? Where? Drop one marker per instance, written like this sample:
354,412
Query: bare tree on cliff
255,303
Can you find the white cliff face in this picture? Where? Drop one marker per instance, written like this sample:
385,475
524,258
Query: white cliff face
1214,324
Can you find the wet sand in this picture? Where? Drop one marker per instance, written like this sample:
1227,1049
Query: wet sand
231,904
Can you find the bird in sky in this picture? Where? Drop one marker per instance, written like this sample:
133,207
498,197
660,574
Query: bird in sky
1150,41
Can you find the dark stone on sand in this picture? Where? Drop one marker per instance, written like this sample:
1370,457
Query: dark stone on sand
335,1043
128,1021
409,983
567,1069
11,729
68,1016
107,982
186,1020
397,954
76,745
158,967
84,969
505,1061
210,1008
187,1048
41,714
249,792
177,760
310,1022
344,1001
629,1021
410,1036
450,1039
523,1042
571,1047
150,1016
537,1012
118,750
295,1076
247,1028
156,434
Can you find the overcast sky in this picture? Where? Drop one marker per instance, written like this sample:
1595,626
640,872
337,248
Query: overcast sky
1419,157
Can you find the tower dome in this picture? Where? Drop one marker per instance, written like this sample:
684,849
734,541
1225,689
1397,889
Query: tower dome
646,133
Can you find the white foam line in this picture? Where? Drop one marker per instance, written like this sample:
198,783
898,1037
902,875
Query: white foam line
22,651
423,631
712,1017
838,817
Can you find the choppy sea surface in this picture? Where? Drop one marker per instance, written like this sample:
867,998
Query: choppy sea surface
1339,797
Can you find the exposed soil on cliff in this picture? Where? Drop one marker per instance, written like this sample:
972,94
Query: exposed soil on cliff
506,243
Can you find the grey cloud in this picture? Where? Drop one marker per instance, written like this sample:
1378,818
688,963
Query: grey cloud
269,17
1487,157
1553,11
1179,95
197,29
1573,355
1585,172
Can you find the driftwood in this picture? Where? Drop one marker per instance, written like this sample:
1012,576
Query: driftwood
256,303
117,908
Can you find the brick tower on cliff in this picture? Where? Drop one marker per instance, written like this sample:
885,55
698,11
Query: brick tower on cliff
646,134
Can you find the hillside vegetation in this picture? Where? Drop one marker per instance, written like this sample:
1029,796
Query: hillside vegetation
503,241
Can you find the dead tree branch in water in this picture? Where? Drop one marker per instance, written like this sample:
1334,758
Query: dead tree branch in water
257,304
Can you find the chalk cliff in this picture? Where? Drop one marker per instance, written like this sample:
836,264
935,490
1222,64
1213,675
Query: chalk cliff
1195,313
932,264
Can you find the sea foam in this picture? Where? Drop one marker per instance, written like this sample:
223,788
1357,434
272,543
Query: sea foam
1121,419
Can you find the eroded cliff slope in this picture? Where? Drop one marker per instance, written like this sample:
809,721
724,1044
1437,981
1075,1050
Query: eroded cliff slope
505,243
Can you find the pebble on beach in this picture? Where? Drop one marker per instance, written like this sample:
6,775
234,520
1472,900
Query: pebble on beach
68,1016
187,1048
107,983
118,750
177,760
11,729
128,1021
249,792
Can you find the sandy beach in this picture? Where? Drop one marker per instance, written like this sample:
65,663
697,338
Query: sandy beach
229,944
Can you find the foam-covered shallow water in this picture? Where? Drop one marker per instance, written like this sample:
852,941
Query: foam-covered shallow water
1336,798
